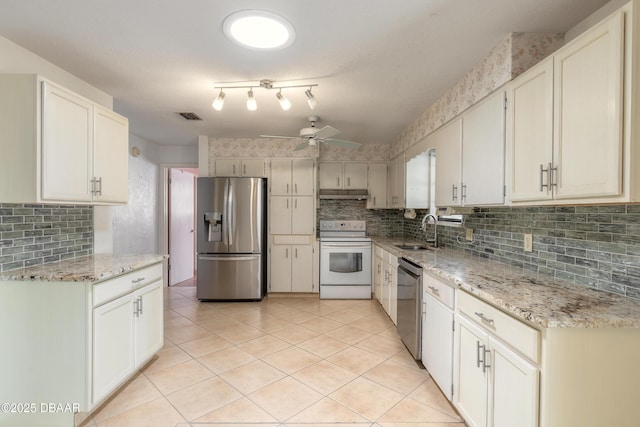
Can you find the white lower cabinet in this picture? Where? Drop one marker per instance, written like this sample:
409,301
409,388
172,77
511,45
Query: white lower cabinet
293,265
495,385
438,300
127,332
377,275
496,376
388,294
76,343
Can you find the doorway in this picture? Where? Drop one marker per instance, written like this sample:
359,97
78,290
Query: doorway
181,225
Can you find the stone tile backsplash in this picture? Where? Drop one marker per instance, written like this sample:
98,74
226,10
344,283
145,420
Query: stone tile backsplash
40,234
593,246
380,222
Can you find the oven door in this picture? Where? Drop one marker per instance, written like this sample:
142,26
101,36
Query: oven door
345,263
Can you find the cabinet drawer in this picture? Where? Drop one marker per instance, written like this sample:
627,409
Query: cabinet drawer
442,291
521,337
112,288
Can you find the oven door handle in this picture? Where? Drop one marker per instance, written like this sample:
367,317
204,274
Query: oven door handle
345,245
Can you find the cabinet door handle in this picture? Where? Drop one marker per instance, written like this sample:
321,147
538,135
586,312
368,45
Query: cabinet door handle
287,203
485,365
286,253
374,200
135,308
338,181
295,204
296,253
295,187
542,172
234,169
479,353
435,290
553,176
348,181
287,188
138,280
140,304
454,192
98,186
483,317
463,196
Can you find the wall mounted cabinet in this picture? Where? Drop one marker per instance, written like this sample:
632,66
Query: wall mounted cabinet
470,156
572,137
396,183
342,175
377,186
250,167
59,147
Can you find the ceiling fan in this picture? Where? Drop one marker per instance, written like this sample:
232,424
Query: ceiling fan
312,135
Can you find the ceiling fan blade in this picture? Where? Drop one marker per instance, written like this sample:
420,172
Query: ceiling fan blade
326,132
279,136
301,146
341,143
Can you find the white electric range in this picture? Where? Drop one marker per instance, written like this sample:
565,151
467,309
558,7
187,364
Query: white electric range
345,260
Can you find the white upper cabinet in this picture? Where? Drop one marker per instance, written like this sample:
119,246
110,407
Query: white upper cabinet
588,113
292,177
342,175
530,132
448,142
110,156
67,149
568,141
240,167
483,152
377,186
396,182
59,147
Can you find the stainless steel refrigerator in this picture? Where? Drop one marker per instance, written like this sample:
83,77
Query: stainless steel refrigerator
232,224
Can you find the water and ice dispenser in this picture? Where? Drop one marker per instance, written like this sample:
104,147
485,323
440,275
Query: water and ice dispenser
213,223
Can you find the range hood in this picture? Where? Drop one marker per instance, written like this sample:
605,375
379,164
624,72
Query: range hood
344,194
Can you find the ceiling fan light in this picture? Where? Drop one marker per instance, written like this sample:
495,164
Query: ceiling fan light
311,100
252,105
313,142
218,102
284,102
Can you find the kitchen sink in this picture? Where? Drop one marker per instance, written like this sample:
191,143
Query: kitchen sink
414,247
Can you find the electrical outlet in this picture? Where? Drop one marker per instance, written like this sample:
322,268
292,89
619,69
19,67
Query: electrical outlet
528,243
469,234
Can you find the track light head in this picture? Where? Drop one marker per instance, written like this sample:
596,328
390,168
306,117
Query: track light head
219,101
284,102
252,105
311,100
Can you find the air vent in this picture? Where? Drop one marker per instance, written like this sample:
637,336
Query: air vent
190,116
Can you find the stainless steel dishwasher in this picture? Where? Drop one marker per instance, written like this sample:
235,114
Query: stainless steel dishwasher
409,306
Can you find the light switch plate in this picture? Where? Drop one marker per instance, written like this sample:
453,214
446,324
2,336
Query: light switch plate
528,243
469,234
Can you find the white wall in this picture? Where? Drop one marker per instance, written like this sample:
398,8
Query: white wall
16,59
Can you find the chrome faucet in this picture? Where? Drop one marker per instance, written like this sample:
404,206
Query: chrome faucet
425,221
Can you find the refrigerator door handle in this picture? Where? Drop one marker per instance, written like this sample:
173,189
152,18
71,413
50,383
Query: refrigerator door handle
230,213
229,258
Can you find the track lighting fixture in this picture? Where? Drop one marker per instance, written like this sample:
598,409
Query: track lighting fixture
252,105
311,100
284,102
219,101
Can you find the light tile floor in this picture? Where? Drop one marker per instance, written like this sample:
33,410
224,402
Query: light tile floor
279,361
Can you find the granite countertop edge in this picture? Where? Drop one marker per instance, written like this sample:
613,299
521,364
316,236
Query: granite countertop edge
91,268
539,300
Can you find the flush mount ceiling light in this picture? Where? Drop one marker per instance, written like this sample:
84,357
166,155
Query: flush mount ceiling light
252,105
258,29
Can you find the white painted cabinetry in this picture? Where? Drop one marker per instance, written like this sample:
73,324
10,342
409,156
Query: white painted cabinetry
396,182
571,136
294,258
342,175
59,147
378,275
496,376
377,186
388,287
76,342
292,265
438,300
250,167
470,156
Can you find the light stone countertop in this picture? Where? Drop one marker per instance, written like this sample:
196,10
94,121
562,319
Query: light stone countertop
540,300
83,269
